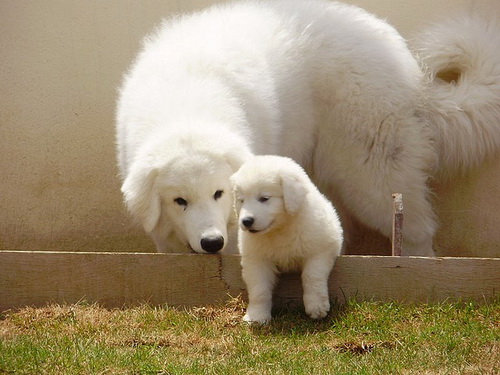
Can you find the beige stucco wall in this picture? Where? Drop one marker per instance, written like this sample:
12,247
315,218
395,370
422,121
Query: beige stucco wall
60,66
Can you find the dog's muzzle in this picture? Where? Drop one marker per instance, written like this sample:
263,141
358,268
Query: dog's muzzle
212,244
247,222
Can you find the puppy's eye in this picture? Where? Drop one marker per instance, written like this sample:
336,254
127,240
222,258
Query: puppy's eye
263,199
218,194
181,201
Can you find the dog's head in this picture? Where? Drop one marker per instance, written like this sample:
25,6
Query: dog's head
267,190
184,200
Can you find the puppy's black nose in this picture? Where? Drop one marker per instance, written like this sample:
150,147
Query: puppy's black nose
247,221
212,244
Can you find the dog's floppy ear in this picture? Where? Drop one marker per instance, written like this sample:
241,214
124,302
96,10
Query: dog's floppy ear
294,193
140,196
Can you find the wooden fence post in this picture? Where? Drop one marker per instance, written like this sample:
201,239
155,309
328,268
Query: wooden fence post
397,225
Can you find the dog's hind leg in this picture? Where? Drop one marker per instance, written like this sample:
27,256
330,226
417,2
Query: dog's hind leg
366,189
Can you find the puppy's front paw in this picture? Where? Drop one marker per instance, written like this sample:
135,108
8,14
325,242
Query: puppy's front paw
257,316
317,308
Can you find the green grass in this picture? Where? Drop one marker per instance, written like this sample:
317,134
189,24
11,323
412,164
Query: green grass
357,338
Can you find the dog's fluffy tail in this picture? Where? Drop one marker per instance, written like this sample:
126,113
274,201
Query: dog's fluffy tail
461,58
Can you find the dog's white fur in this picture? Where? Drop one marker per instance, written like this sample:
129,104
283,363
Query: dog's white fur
324,83
286,224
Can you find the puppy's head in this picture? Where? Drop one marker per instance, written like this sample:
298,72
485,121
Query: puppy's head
267,191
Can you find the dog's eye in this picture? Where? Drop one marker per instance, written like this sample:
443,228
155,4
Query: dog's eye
263,199
218,194
181,201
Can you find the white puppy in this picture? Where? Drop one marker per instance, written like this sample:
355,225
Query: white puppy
286,224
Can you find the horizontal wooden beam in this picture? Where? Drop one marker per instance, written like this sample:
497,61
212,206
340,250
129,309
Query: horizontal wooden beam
119,279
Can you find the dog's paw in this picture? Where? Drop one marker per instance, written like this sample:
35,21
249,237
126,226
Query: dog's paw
257,317
317,308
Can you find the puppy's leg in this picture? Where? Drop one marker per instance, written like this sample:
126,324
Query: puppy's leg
260,277
315,284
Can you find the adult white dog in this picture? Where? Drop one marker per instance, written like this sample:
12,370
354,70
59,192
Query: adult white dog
324,83
286,224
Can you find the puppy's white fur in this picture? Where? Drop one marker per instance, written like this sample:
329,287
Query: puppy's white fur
286,224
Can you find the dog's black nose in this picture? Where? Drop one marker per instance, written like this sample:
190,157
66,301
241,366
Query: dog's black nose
247,221
212,244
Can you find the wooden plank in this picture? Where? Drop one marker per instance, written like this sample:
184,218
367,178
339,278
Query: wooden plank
111,279
118,279
405,279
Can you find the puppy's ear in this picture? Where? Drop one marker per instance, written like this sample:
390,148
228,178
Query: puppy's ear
294,193
140,197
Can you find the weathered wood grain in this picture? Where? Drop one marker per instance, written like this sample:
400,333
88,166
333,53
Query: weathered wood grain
111,279
121,279
405,279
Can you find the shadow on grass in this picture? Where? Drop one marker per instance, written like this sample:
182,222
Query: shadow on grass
292,321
